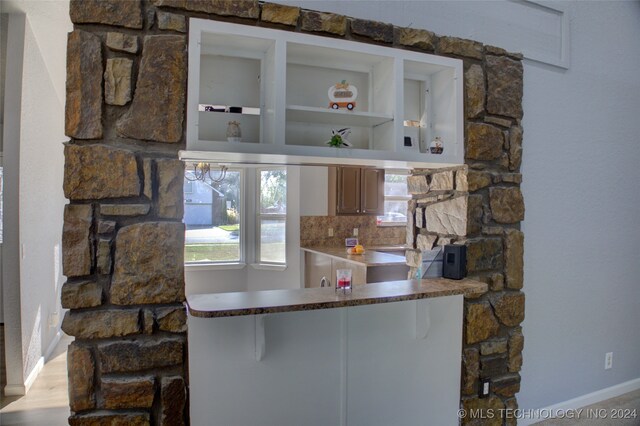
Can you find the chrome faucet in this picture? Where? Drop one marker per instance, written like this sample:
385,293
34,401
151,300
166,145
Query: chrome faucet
324,282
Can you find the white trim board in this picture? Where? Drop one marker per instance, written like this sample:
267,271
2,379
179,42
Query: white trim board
53,345
21,390
587,399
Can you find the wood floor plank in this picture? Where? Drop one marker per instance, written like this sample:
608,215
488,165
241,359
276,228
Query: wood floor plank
47,402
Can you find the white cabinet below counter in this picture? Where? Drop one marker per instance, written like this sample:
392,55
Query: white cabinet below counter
370,267
376,365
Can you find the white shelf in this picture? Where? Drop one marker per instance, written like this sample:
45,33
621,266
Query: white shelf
287,75
251,154
338,117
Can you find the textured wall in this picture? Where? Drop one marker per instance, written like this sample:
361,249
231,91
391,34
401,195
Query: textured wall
33,167
123,239
581,252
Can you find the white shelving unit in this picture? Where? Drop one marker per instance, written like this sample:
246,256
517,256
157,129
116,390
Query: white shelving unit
285,77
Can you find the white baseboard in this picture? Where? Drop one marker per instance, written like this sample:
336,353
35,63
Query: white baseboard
52,345
34,374
21,390
588,399
15,390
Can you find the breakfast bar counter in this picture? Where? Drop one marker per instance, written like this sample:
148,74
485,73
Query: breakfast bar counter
273,301
389,353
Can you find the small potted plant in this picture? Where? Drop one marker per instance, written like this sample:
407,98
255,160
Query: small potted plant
339,138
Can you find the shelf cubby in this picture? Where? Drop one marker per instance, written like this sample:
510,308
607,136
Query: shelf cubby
313,71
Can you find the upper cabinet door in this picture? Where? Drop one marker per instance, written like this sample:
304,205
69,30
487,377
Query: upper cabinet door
372,191
348,190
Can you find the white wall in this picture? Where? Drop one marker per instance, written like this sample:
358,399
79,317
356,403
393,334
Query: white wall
582,227
580,168
40,197
4,23
314,194
11,241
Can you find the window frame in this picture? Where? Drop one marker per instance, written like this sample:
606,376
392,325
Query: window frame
259,216
241,262
189,185
386,198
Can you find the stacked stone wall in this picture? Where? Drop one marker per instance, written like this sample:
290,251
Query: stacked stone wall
123,235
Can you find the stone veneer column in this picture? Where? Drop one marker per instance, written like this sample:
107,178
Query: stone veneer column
123,237
480,205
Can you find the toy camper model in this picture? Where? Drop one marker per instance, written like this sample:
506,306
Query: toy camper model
343,95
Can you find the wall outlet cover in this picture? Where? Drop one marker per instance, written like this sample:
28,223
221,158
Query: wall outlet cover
608,360
485,388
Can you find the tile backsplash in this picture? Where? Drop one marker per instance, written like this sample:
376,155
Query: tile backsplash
314,231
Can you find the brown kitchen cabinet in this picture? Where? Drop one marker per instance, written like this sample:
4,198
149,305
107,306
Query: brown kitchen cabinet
356,191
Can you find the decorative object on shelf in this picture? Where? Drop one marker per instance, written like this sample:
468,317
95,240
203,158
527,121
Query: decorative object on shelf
436,146
202,172
212,108
229,109
357,249
343,280
454,262
339,138
343,95
411,133
233,131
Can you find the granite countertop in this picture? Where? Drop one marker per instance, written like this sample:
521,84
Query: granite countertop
306,299
368,258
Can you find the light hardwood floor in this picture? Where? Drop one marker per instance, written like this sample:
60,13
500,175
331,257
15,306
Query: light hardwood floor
625,407
47,403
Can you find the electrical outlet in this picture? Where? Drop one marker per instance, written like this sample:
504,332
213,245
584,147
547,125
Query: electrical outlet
355,232
608,360
485,387
330,232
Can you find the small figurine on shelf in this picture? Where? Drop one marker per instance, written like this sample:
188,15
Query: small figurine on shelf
233,131
436,146
342,95
339,138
